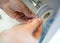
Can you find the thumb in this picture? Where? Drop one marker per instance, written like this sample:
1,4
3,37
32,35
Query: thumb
35,28
33,25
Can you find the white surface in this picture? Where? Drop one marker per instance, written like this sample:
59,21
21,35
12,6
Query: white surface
56,37
6,22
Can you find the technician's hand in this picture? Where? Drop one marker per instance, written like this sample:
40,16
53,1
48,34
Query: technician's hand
18,10
26,33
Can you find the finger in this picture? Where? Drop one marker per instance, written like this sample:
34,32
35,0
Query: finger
35,28
38,32
3,2
16,15
19,6
33,25
15,5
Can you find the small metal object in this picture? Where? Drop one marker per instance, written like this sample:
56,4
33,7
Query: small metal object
47,15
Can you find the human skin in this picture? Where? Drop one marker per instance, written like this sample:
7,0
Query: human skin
17,10
26,33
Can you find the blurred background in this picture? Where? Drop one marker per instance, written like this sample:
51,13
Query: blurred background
47,10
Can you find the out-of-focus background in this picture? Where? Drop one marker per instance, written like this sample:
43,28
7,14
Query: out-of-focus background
47,10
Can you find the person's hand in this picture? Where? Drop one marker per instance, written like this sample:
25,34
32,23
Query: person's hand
27,33
18,10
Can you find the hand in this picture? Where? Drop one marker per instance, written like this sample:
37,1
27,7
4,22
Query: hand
27,33
18,10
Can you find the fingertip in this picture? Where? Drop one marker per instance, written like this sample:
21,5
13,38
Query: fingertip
39,20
